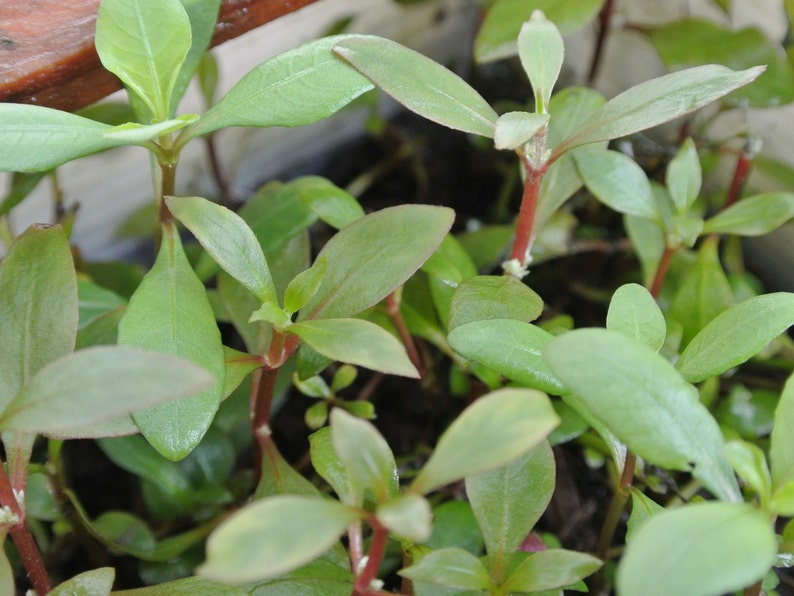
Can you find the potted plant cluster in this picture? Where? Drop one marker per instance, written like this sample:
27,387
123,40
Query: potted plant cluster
607,324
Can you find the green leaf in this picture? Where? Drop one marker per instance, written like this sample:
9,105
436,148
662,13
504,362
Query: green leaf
99,384
750,464
228,240
335,206
753,216
684,177
132,133
238,365
451,567
551,569
170,313
648,240
301,289
97,582
38,306
358,342
708,548
617,181
239,303
375,255
298,87
781,450
22,185
273,536
328,465
509,500
407,516
419,83
500,29
690,42
270,312
736,335
642,509
509,347
655,102
365,456
321,577
509,421
513,129
189,586
634,312
541,50
644,401
144,48
493,297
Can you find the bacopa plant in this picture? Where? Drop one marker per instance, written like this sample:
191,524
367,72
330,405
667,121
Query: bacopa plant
147,374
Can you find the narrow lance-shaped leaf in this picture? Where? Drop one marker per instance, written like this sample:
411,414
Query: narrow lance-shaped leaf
419,83
541,50
684,177
753,216
657,101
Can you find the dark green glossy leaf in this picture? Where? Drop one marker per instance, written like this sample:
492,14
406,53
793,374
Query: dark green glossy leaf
753,216
634,312
454,524
493,297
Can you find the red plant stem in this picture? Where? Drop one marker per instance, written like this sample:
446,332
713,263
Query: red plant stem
261,401
661,271
377,548
740,172
604,18
393,309
526,215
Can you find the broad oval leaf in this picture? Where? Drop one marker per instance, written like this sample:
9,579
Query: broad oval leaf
407,516
450,567
509,421
655,102
735,335
698,550
541,50
551,569
375,255
228,240
645,402
355,341
753,216
97,582
98,384
419,83
634,312
298,87
273,536
493,297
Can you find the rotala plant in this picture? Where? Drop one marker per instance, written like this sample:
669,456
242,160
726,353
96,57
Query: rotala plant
149,376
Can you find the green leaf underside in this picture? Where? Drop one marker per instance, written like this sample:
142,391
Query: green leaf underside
511,421
702,549
634,312
655,102
273,536
298,87
644,401
170,313
419,83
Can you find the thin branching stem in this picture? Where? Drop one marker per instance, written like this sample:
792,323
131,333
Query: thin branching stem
393,310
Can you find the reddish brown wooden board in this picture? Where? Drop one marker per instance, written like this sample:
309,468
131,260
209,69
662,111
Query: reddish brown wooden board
47,54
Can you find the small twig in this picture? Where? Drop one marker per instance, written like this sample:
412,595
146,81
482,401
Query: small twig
741,172
393,309
604,19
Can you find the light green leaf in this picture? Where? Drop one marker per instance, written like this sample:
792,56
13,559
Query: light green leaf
272,313
648,240
634,312
698,550
321,577
781,450
683,177
617,181
451,567
551,569
365,456
238,366
133,133
38,306
642,509
375,255
144,48
327,464
301,289
493,297
7,581
419,83
189,586
22,184
509,347
541,50
753,216
170,313
97,582
750,464
407,516
358,342
509,421
655,102
513,129
644,401
229,240
736,335
333,205
273,536
298,87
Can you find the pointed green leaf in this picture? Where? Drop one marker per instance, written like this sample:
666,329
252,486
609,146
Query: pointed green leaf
512,348
648,240
644,401
513,129
272,313
750,464
327,464
551,569
301,289
736,335
97,582
355,341
781,450
493,297
298,87
375,255
38,306
617,181
634,312
753,216
698,550
189,586
450,567
657,101
642,509
229,240
407,516
22,184
144,48
684,177
509,421
170,313
333,205
133,133
541,50
238,366
419,83
273,536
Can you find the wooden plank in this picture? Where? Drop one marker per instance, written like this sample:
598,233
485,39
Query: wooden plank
47,54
